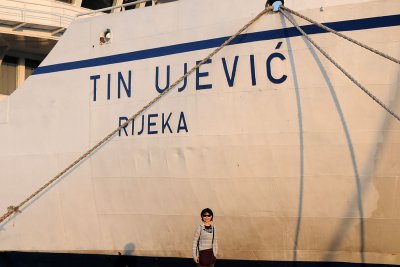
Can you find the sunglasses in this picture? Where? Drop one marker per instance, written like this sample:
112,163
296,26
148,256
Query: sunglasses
207,215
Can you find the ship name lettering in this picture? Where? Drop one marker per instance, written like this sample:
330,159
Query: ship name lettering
269,68
230,68
230,78
124,83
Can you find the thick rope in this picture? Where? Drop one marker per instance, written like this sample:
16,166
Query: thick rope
342,35
339,67
14,209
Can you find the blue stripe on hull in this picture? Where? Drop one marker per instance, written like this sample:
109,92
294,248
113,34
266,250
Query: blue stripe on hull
350,25
33,259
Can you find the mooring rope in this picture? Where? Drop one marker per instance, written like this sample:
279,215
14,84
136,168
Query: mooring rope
373,50
282,11
15,209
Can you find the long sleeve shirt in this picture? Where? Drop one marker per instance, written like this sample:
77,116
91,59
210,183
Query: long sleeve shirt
203,239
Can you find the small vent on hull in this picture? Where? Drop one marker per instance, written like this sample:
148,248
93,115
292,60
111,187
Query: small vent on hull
105,37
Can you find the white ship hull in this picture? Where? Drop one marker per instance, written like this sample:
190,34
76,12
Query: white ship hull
297,163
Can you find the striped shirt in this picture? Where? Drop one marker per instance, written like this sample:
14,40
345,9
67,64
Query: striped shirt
204,238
